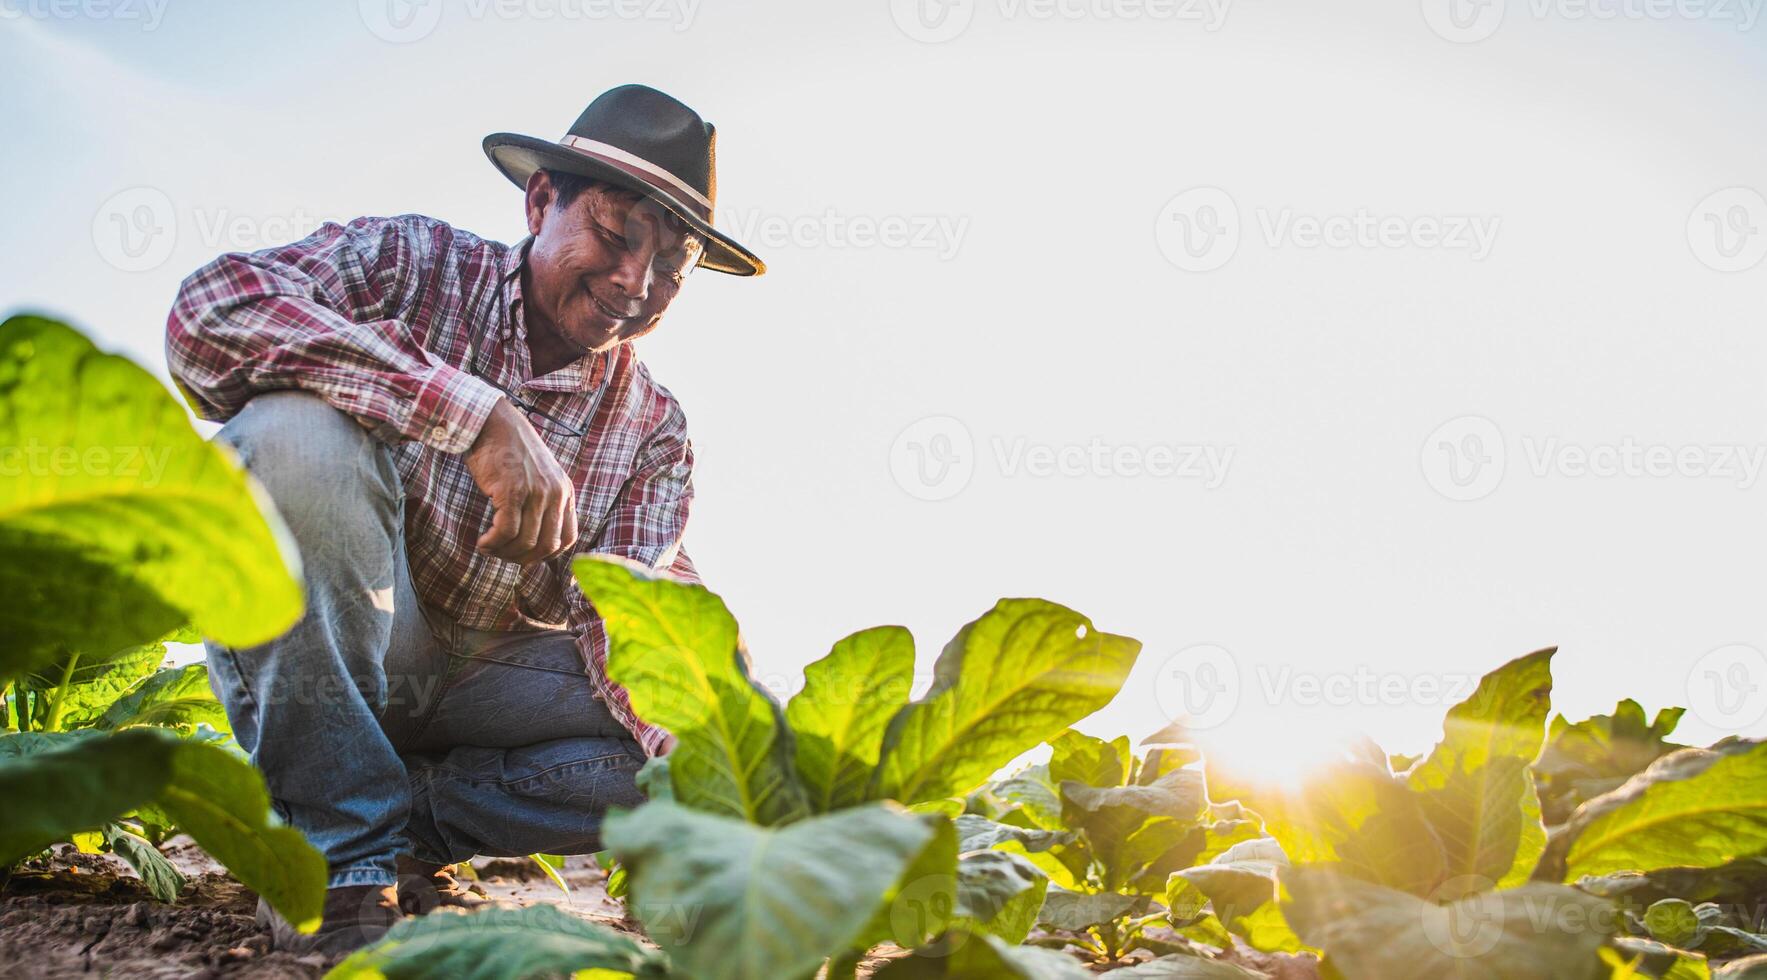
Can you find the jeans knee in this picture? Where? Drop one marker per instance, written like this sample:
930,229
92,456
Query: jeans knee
320,467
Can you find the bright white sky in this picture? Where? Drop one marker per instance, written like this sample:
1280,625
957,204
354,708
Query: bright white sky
1030,162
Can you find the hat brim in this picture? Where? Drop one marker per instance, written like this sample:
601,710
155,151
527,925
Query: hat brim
517,157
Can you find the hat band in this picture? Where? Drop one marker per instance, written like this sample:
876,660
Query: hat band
640,168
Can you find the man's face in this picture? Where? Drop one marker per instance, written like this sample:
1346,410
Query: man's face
604,268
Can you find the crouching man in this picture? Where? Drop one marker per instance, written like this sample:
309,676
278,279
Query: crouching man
443,422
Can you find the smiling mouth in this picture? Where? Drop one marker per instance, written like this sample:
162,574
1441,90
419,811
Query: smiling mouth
608,311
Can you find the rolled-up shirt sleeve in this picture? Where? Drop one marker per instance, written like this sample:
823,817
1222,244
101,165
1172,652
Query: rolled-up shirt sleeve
341,314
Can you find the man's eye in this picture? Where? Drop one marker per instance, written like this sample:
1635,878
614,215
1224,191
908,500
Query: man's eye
612,237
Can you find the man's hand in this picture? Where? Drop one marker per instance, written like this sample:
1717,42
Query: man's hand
534,513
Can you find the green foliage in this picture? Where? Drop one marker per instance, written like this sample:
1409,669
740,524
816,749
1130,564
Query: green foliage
674,647
1240,885
120,522
1018,675
967,956
839,717
1536,932
998,893
1584,760
1699,808
498,944
1474,785
57,784
121,528
730,899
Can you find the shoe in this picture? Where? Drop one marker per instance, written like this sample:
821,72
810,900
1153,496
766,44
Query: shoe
425,887
354,917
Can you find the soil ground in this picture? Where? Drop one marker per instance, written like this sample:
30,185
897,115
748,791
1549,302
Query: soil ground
88,916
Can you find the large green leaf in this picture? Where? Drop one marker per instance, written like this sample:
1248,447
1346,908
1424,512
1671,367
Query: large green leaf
1696,808
838,719
1362,818
1472,786
1080,757
728,899
979,833
1137,831
1076,911
163,881
1240,885
972,956
93,682
1536,932
999,894
220,801
55,786
498,944
1034,794
118,522
1013,678
674,647
1584,760
176,697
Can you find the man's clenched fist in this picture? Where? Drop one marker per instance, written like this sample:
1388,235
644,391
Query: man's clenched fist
534,514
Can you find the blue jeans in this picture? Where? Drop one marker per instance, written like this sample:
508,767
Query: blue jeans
382,727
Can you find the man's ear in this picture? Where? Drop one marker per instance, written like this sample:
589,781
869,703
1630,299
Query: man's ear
540,194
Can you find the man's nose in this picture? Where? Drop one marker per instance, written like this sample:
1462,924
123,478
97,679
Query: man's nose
633,276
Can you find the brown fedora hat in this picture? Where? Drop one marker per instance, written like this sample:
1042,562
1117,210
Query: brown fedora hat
647,142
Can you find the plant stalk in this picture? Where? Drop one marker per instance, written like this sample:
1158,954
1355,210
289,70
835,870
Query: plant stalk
58,700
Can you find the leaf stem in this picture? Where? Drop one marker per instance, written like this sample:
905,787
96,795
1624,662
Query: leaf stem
58,699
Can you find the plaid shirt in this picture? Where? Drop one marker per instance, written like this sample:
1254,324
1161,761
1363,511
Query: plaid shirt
374,318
